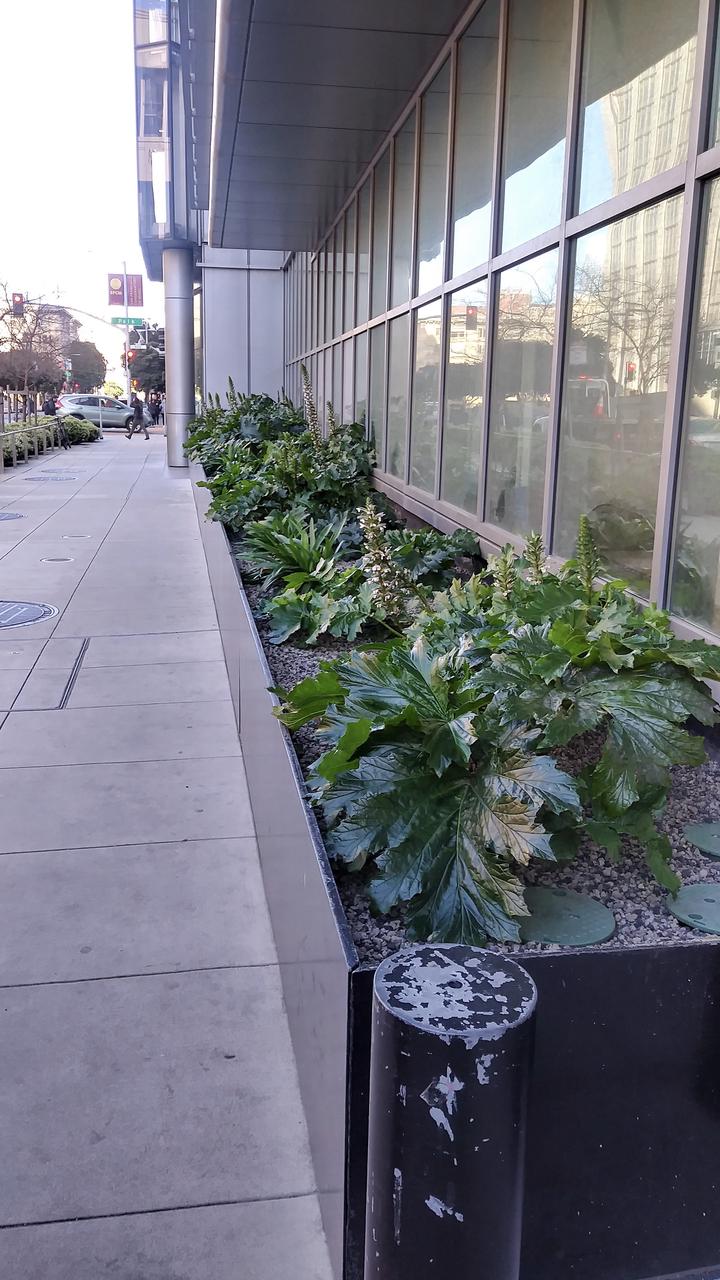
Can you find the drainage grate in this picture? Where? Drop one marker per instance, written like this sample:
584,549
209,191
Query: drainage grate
11,515
56,559
67,536
20,613
43,479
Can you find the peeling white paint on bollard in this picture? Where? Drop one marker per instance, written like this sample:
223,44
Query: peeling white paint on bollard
450,1062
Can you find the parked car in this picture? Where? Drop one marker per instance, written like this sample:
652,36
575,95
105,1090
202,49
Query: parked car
114,412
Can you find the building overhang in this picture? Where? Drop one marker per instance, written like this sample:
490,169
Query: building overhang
304,96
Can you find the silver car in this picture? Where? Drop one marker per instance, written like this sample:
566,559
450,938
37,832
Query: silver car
114,412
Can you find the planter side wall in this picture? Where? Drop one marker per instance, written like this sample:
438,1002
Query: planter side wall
314,959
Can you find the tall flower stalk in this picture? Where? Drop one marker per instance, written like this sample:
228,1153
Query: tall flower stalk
311,413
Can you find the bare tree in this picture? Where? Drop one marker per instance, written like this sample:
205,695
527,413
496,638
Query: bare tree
633,314
32,345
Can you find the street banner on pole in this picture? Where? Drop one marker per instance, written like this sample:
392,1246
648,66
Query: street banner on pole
134,291
116,292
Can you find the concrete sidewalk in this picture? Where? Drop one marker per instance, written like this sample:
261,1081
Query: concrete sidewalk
151,1121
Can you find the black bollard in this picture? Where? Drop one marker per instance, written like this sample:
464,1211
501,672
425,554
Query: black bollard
451,1054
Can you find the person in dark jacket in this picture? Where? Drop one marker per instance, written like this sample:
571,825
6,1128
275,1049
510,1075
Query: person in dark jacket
50,411
138,422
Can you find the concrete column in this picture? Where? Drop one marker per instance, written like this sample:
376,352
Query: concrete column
179,351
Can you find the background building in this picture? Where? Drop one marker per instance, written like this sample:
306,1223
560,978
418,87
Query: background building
489,230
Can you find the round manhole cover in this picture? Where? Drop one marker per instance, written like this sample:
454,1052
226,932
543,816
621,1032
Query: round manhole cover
20,613
11,515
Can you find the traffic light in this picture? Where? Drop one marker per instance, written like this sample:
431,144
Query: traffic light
471,318
131,356
18,305
630,371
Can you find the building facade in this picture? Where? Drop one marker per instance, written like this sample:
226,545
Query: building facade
490,232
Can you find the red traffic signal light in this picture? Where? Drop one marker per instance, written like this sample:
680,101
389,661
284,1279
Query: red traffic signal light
471,318
131,356
18,304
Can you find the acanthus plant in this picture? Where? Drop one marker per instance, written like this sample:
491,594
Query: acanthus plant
439,768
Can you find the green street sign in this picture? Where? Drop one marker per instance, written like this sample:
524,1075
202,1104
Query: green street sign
134,322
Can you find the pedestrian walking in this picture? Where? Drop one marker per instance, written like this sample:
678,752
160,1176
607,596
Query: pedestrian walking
154,407
50,410
138,419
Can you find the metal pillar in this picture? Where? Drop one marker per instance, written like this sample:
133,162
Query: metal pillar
451,1052
179,351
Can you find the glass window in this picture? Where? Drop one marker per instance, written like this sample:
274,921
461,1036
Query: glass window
313,302
696,564
338,278
402,214
638,62
520,394
360,409
363,253
349,312
347,392
150,21
380,234
535,116
474,128
464,396
321,297
377,392
425,396
613,400
329,288
433,181
337,367
397,406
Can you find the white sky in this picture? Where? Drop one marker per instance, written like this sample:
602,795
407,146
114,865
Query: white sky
68,187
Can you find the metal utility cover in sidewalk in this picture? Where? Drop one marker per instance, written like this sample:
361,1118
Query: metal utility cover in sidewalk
20,613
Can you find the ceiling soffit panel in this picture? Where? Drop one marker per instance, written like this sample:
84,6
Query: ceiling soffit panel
301,107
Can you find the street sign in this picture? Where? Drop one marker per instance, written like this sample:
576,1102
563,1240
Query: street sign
133,322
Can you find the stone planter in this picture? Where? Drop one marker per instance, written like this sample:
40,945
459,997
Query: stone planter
623,1166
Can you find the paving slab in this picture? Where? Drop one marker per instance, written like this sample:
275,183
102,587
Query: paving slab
261,1240
182,646
150,682
105,804
109,735
148,1092
75,913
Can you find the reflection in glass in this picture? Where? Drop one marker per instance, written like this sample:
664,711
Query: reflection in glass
150,21
425,396
398,344
433,181
337,369
520,394
404,169
696,564
360,408
349,305
380,234
535,117
377,392
474,128
347,391
338,276
313,301
363,256
464,394
329,288
614,387
638,70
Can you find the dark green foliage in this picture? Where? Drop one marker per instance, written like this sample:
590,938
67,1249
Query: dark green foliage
520,661
428,556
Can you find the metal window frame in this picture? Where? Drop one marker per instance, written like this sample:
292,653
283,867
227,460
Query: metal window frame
688,179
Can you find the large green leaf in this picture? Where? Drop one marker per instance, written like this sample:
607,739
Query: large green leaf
446,843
